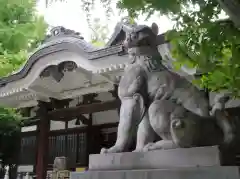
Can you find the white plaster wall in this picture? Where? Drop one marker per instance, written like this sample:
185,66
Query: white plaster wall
25,168
57,125
54,125
71,124
29,128
105,117
110,116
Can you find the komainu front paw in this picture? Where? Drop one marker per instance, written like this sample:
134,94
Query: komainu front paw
104,151
149,147
137,150
114,149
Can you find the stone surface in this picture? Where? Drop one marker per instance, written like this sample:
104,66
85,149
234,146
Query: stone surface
180,173
60,163
145,82
160,159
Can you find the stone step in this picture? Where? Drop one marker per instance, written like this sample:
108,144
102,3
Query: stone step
218,172
160,159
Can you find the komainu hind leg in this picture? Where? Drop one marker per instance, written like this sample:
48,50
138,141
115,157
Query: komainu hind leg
145,133
222,117
159,117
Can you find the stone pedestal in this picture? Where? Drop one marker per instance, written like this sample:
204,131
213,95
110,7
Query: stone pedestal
159,159
192,163
188,173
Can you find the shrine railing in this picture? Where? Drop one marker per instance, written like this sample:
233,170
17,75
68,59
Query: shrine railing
73,143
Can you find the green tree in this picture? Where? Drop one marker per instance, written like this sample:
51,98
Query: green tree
21,30
10,128
99,34
200,38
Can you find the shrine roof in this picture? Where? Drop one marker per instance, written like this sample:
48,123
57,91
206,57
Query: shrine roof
66,66
62,39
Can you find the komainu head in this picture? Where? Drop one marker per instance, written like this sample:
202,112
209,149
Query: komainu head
142,36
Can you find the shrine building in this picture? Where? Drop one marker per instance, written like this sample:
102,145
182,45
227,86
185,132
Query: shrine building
68,90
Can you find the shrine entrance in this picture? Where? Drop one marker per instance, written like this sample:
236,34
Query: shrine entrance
71,143
40,147
62,81
61,84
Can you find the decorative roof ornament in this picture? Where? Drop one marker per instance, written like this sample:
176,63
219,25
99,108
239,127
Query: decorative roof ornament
60,31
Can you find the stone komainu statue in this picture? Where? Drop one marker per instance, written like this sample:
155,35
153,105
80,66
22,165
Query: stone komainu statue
156,100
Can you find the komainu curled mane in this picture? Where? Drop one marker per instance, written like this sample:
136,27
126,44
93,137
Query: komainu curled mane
145,89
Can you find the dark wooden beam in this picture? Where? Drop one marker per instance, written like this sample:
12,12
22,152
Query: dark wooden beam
83,119
114,92
42,141
90,98
25,112
89,138
74,112
233,111
59,104
29,121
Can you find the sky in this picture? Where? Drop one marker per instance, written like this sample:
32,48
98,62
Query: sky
70,15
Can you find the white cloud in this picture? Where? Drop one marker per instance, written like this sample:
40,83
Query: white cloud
70,15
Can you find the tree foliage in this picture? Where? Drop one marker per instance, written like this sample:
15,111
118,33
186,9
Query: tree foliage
100,33
199,39
10,128
21,30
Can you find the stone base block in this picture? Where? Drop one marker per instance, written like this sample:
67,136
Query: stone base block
180,173
160,159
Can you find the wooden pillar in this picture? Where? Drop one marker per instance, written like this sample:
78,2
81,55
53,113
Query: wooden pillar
66,139
13,169
89,99
89,139
114,93
42,149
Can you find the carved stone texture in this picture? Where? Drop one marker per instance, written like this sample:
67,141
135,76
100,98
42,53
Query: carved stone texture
161,159
144,86
218,172
60,163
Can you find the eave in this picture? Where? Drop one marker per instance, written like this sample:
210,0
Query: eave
65,66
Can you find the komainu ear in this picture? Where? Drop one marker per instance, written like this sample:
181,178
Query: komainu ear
155,28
